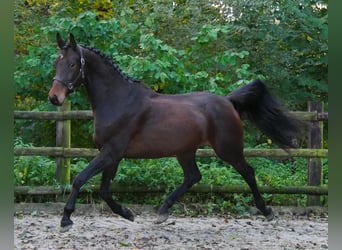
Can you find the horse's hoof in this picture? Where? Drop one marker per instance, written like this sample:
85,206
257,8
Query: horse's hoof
66,222
65,228
127,214
162,218
270,216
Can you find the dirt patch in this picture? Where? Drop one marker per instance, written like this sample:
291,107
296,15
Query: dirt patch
37,227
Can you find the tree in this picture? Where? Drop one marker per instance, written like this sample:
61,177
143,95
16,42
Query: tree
288,43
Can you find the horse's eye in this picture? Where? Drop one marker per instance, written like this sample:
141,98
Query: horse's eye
72,65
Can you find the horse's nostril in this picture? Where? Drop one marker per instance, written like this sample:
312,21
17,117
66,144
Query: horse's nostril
54,100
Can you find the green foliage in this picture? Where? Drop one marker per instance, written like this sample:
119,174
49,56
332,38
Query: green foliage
150,173
33,170
141,55
288,43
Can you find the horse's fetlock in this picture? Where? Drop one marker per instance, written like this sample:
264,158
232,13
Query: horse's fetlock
260,204
68,211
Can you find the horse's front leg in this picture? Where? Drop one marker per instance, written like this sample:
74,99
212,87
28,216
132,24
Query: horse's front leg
108,175
100,162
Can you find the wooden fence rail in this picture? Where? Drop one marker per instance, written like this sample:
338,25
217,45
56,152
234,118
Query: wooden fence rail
63,151
198,188
88,115
202,153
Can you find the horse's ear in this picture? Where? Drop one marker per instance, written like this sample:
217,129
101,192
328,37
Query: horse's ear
72,41
60,41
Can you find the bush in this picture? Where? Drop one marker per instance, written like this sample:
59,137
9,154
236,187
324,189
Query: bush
33,170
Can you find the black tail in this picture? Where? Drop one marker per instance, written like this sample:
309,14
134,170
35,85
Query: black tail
255,101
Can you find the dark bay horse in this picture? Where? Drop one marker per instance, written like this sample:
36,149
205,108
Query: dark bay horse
133,121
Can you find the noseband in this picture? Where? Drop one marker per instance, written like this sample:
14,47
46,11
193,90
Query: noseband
71,85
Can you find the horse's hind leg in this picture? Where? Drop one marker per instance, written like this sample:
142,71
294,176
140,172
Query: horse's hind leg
237,160
107,177
192,175
247,172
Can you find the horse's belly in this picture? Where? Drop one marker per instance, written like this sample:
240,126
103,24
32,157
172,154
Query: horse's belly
164,143
148,151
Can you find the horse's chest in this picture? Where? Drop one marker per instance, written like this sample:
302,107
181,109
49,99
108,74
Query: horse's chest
106,130
102,133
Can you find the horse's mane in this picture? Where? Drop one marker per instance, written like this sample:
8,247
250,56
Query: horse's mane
109,61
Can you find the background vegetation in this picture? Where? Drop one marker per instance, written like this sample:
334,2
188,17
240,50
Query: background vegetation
174,47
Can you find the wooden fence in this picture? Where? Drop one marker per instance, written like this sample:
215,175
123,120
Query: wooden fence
62,151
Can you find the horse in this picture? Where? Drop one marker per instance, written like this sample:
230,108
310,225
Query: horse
131,120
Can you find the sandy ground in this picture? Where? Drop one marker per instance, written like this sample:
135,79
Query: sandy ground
94,228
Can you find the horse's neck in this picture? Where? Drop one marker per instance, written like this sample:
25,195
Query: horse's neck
106,91
108,87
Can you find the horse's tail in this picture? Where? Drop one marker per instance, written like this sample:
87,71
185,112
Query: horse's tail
255,101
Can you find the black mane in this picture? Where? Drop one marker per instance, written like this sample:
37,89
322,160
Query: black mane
109,61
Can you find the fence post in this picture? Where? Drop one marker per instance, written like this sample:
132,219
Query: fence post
63,139
315,140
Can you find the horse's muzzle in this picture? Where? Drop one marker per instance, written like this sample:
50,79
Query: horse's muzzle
57,93
54,100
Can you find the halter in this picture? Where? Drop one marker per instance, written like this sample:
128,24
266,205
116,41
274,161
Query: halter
71,85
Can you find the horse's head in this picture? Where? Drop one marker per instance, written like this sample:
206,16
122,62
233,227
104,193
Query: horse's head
69,66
